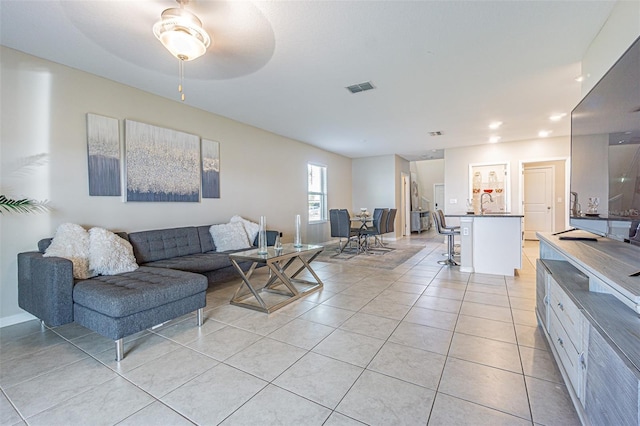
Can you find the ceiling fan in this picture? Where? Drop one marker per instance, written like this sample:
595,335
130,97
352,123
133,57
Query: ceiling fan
242,38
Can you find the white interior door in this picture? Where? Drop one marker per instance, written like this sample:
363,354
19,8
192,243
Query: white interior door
438,196
538,201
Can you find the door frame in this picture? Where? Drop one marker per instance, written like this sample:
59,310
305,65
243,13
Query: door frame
567,177
405,204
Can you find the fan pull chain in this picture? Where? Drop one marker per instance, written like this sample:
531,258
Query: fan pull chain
181,77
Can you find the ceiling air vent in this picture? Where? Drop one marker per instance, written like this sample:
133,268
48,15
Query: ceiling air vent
438,133
367,85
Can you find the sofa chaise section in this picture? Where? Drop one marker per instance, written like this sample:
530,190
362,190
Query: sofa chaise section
117,306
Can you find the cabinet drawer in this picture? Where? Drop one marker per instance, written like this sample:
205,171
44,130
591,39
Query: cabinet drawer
568,314
569,356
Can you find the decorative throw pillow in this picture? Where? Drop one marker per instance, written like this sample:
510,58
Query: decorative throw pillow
71,242
229,236
251,228
109,254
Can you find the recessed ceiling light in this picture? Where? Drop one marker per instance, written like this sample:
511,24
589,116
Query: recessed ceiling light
494,139
580,78
557,117
495,125
544,133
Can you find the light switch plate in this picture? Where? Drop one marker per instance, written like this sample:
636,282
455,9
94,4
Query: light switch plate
453,201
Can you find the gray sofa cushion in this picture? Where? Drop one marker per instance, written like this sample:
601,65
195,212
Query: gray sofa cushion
200,262
149,246
116,328
206,241
145,288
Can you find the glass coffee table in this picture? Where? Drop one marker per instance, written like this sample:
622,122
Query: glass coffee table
280,286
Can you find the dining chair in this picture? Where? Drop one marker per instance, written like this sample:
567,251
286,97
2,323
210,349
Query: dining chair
340,224
391,219
383,228
379,217
450,233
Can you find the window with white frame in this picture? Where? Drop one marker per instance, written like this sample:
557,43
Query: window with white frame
317,189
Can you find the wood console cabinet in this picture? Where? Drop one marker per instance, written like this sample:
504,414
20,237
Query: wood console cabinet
592,325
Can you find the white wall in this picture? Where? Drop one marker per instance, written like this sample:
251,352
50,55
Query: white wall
429,172
617,34
457,160
44,107
374,183
377,182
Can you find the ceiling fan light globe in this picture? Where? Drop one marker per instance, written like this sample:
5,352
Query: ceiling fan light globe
181,33
182,45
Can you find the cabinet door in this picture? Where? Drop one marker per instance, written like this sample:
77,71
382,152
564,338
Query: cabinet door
415,221
612,388
542,299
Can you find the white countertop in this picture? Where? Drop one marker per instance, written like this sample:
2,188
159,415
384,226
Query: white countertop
484,215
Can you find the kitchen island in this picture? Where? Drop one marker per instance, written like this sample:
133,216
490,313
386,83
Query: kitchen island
490,243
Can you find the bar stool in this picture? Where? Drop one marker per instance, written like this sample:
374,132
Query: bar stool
444,225
450,233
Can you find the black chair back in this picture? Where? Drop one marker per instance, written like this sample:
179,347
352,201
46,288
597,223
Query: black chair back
377,219
382,229
391,220
335,223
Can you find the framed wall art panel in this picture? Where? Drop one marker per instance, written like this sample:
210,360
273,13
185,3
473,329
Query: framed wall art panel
210,169
162,164
103,148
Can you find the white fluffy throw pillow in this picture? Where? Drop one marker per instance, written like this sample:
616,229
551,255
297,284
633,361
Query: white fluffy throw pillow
71,242
251,228
109,254
229,236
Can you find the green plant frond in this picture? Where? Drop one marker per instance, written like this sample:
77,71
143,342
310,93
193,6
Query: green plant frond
24,205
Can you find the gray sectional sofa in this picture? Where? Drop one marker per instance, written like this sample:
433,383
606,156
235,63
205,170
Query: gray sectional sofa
176,267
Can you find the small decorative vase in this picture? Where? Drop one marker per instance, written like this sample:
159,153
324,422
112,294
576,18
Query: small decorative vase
297,242
262,236
277,245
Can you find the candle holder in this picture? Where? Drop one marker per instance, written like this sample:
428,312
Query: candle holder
297,242
262,236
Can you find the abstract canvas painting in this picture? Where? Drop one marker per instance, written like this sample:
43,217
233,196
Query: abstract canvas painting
210,169
103,146
162,164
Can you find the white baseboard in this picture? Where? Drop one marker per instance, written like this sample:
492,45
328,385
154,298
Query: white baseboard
16,319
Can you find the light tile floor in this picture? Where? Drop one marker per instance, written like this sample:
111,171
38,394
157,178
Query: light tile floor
419,344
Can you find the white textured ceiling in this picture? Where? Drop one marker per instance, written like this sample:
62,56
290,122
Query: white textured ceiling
450,66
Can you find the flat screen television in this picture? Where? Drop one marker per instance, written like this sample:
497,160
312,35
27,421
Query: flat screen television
605,145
